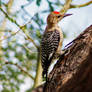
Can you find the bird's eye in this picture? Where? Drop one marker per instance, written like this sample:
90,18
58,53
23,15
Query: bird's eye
59,16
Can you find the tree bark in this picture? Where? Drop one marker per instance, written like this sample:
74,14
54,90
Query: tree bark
73,70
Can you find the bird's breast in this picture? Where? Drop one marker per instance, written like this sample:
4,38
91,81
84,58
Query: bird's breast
57,28
61,39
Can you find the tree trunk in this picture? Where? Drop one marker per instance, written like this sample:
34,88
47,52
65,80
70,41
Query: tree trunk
73,70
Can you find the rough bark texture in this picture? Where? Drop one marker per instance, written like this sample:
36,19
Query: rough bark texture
73,71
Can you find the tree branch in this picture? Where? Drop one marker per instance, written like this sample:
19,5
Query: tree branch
38,78
9,36
21,27
24,46
66,6
21,69
82,5
76,6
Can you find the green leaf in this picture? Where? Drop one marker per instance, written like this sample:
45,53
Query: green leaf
64,34
50,5
0,2
38,34
38,2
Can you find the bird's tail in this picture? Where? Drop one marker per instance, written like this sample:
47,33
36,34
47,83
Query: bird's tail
45,73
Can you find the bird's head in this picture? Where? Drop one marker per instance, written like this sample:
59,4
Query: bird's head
55,16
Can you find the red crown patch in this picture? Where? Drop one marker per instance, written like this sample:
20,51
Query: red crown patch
56,12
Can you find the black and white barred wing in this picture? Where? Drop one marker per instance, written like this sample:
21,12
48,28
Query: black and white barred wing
49,45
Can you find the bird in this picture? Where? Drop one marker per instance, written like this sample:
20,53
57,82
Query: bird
51,42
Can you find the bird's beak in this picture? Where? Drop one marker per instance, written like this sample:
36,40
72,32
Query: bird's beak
65,15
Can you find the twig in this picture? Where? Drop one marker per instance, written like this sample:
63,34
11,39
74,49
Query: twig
21,27
66,6
82,5
28,49
11,19
9,36
29,38
79,6
20,69
38,78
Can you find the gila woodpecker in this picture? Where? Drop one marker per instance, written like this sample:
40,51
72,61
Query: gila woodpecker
52,40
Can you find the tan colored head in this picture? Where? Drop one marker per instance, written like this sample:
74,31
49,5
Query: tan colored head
55,17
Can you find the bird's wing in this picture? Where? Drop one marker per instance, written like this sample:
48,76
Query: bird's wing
49,45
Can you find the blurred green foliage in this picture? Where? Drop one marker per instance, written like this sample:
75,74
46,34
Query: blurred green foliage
38,2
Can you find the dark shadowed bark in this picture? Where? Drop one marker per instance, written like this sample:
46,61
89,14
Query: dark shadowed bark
73,71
